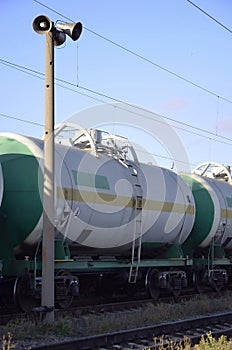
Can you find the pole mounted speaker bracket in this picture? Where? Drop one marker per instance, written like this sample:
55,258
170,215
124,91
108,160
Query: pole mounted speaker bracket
42,25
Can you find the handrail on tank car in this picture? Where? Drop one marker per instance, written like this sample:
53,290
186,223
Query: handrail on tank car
214,170
97,141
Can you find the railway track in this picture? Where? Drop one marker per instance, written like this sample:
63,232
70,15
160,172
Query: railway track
190,328
115,306
97,309
150,336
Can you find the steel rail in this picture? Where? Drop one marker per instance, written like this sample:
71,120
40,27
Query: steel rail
192,328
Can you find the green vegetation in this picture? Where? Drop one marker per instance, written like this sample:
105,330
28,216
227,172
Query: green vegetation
67,327
25,328
207,343
210,343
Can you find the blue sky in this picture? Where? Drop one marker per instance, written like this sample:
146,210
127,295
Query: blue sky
171,33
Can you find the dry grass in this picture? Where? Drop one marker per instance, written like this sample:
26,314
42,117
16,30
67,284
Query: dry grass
150,314
7,342
207,343
108,322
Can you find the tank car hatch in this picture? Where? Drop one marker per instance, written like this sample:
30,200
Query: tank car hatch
96,142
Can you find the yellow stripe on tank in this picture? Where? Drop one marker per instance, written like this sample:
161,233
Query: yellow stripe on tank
226,213
122,201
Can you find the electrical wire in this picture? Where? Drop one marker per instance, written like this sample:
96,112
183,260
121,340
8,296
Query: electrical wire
138,55
140,109
20,119
211,17
138,151
38,75
165,157
150,112
41,76
23,69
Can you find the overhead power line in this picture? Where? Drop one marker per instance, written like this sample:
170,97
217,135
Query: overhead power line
211,17
20,119
73,87
139,56
145,116
2,115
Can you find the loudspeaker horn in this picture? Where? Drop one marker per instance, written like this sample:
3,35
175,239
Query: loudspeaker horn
71,29
58,37
42,24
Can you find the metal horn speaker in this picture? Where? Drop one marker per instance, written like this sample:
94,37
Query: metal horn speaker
58,37
42,24
71,29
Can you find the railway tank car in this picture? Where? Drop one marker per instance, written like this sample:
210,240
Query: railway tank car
211,235
212,191
98,199
119,223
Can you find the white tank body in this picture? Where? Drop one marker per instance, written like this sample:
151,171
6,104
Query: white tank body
102,202
100,210
223,234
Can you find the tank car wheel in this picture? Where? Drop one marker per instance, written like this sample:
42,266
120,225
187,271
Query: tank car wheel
63,299
24,295
197,281
151,283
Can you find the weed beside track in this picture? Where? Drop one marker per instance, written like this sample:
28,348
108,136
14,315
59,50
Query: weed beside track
66,327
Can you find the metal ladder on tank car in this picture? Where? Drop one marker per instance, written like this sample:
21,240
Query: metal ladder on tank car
137,236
